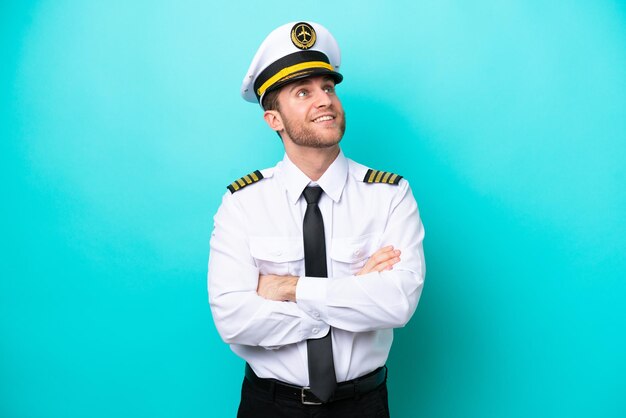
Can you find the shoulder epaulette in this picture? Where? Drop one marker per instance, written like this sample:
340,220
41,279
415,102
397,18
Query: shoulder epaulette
377,176
245,181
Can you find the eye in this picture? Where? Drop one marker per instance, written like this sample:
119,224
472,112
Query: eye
302,93
329,89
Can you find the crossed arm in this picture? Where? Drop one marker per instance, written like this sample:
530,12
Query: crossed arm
283,288
250,309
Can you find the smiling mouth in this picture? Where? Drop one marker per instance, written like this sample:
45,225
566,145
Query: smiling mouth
323,118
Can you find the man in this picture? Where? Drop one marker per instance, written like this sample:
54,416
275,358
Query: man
306,279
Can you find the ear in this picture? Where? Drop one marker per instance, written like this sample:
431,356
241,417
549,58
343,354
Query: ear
273,120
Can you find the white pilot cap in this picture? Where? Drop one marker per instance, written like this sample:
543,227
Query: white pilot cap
291,52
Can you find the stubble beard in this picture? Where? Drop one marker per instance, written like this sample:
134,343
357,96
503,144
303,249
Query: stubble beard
307,137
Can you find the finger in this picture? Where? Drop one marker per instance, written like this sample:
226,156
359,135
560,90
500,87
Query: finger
380,256
382,250
384,257
387,265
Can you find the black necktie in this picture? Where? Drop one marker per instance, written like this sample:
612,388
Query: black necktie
322,380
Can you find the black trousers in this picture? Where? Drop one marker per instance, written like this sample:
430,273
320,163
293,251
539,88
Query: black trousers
259,403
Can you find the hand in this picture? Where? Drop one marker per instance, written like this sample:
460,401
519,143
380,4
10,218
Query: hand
383,259
279,288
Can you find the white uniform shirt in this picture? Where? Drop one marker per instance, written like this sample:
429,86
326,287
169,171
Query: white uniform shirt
258,230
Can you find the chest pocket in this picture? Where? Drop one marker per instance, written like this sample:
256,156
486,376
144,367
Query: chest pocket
278,255
349,255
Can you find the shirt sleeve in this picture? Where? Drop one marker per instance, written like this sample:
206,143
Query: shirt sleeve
240,314
376,300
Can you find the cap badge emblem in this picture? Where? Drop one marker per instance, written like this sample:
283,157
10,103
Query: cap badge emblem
303,35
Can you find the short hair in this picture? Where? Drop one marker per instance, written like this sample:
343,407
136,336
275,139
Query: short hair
270,100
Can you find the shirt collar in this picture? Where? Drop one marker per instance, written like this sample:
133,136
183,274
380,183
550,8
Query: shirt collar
332,181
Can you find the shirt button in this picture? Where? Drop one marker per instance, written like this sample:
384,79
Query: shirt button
315,330
357,252
316,314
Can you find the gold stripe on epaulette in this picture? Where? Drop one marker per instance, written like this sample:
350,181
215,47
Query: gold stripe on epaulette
377,176
244,181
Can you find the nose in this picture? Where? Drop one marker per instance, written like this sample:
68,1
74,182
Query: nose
322,98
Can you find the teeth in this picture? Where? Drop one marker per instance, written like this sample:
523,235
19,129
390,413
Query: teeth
323,119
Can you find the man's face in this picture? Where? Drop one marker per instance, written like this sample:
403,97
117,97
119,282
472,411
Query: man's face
311,113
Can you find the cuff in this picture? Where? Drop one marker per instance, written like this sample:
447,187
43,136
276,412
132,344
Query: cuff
311,297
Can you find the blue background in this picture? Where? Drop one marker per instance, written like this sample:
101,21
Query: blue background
121,124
